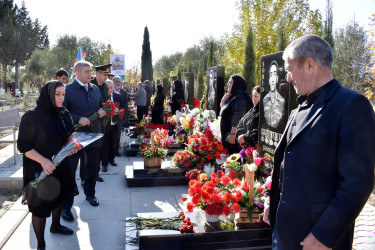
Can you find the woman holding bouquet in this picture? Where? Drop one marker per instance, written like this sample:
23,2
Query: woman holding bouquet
43,131
236,102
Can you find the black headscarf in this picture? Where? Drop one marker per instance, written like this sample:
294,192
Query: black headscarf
178,85
46,100
239,84
160,88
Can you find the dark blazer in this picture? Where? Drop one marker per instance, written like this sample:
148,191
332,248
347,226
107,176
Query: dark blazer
329,170
124,96
81,103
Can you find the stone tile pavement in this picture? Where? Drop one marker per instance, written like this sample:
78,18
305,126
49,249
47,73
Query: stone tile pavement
102,227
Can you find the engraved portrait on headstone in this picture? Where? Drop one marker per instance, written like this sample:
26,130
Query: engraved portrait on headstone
211,91
274,102
215,87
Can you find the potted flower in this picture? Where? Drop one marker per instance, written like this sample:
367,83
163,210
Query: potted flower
153,155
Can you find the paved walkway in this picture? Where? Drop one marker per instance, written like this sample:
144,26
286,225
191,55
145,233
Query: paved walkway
102,227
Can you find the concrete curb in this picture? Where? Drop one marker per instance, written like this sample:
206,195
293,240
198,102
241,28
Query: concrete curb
11,220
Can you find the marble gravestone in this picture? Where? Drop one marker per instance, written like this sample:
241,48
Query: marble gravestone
215,88
277,99
189,88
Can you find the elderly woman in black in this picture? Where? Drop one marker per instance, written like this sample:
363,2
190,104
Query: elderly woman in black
158,106
247,130
43,131
177,96
235,104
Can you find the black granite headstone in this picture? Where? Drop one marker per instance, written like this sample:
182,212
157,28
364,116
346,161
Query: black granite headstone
277,99
215,87
189,88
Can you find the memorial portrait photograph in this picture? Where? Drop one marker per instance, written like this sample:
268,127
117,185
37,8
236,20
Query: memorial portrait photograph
274,101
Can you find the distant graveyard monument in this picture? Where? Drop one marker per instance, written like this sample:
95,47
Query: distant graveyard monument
277,99
189,88
215,88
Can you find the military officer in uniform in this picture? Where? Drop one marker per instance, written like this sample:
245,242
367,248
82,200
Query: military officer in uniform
273,102
102,72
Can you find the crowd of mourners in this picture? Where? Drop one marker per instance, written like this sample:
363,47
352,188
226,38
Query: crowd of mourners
323,166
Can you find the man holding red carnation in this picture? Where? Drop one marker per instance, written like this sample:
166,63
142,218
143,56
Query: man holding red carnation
112,130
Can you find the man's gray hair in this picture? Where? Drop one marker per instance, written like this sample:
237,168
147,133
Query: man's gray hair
81,64
116,77
109,82
139,84
309,46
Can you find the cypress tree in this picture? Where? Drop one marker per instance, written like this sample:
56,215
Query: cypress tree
146,60
210,62
248,68
281,42
327,32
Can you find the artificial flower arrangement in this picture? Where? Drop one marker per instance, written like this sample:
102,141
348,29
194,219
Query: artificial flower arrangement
159,145
146,120
184,159
234,167
216,196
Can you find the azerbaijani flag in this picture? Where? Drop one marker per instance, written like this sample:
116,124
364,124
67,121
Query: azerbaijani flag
80,57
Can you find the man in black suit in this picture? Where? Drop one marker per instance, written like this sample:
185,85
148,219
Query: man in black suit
112,131
324,164
124,95
82,99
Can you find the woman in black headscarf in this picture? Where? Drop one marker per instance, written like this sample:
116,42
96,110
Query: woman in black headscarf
177,96
158,106
43,131
236,102
247,129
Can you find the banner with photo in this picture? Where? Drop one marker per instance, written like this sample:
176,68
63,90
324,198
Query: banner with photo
118,64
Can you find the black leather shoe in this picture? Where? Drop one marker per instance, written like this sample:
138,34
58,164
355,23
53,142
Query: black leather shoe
113,163
118,154
67,215
41,248
93,201
104,168
98,178
61,230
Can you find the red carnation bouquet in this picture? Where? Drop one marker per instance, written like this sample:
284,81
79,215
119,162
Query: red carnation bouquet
205,144
184,159
109,107
220,195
